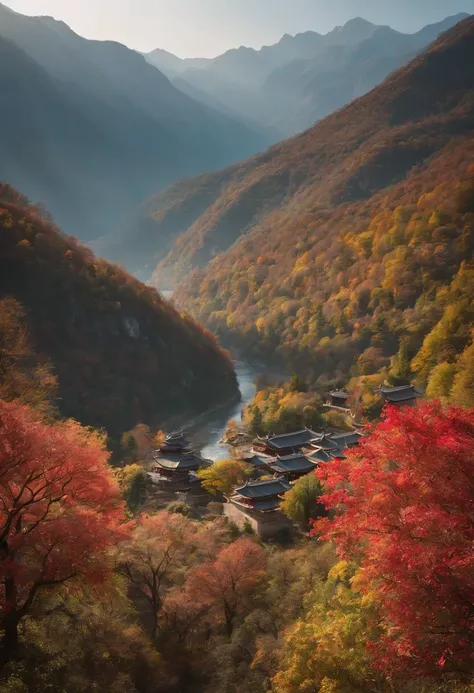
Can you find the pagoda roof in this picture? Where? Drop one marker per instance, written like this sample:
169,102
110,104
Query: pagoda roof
257,460
293,463
179,461
339,393
176,439
400,393
261,505
349,438
320,455
291,440
263,489
324,441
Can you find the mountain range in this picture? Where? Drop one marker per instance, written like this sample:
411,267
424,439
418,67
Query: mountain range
344,157
355,235
290,85
108,128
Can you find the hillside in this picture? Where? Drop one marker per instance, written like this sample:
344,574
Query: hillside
346,158
121,353
350,154
347,243
290,85
109,130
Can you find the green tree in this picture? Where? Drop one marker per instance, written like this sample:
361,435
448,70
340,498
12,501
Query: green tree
256,427
441,381
224,476
301,503
133,484
462,393
129,447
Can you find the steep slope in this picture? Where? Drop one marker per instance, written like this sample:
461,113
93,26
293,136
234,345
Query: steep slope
152,133
350,155
301,79
359,232
121,353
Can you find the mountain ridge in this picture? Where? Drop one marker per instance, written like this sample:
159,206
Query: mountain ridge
343,162
294,82
158,133
353,242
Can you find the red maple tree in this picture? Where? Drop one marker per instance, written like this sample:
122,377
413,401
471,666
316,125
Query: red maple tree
404,504
226,583
60,511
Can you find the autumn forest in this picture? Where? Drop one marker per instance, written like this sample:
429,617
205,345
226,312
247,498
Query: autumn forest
336,267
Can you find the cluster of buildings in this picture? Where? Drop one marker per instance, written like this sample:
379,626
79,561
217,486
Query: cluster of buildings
282,459
286,458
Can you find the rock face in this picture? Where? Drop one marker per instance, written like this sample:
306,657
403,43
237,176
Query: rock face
122,354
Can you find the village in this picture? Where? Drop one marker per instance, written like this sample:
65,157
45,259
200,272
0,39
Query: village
276,463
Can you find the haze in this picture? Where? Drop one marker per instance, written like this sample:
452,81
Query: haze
205,28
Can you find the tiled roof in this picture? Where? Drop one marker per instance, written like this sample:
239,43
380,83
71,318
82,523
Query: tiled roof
293,463
291,440
263,489
257,460
349,438
178,461
321,455
339,393
262,505
400,393
324,441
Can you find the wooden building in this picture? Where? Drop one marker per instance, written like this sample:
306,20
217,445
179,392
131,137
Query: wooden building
292,467
175,464
331,446
337,399
175,443
257,504
284,444
403,395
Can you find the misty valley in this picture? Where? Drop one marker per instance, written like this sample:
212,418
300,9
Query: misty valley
237,352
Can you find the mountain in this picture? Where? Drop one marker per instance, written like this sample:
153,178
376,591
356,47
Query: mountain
301,79
335,249
122,354
303,92
109,129
346,157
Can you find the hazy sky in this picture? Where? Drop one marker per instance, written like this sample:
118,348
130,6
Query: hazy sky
206,28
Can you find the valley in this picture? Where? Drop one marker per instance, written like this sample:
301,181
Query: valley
237,347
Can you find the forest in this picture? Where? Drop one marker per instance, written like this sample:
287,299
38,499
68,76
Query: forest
101,590
344,256
118,353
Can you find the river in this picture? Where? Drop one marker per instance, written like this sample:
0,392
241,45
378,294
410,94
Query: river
206,432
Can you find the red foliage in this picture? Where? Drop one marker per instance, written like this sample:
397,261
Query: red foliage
224,584
405,510
59,510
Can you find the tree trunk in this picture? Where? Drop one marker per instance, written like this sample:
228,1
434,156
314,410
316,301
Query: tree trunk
9,645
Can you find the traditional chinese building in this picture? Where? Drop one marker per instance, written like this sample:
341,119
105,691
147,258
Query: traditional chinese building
257,504
174,463
403,395
175,442
337,399
292,467
333,445
284,444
